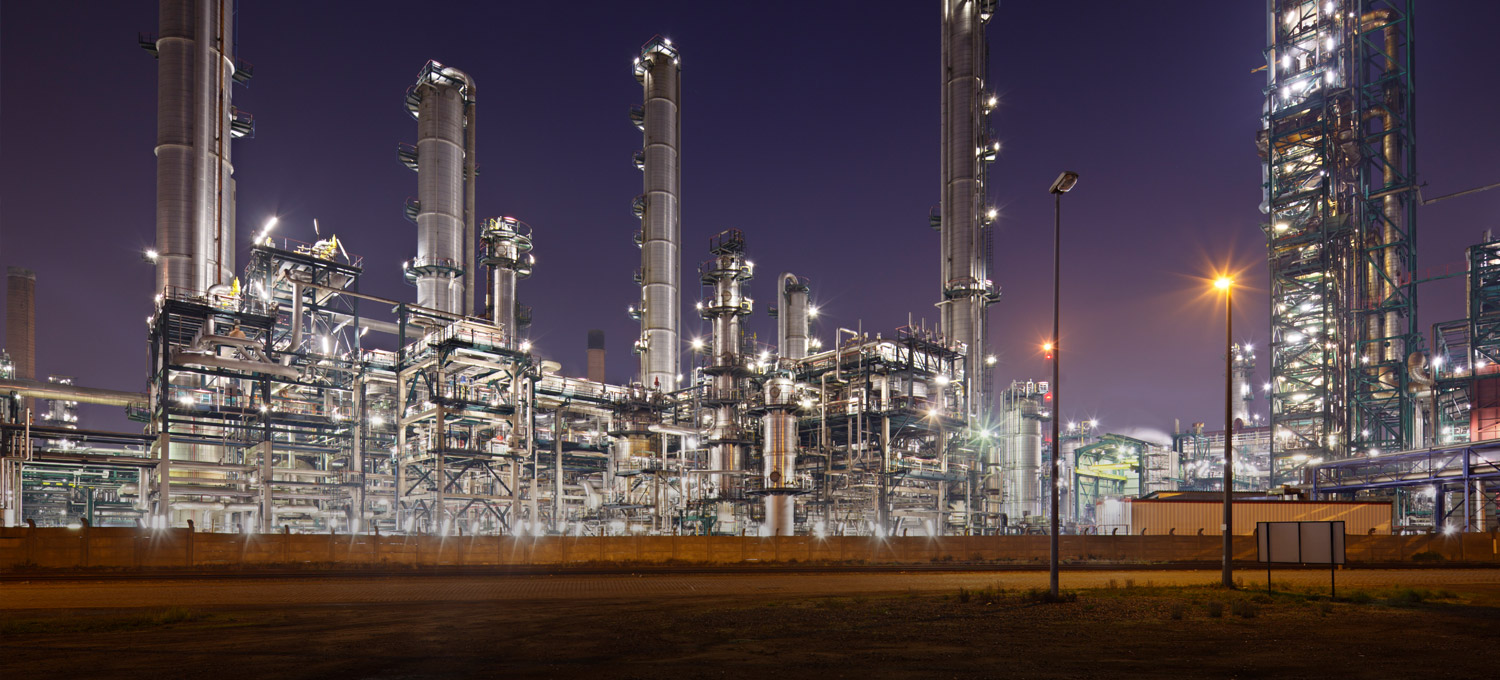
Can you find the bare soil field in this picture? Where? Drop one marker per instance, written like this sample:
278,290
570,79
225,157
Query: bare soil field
1129,625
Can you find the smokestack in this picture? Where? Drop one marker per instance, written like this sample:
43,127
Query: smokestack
966,287
195,121
658,70
596,355
442,102
20,322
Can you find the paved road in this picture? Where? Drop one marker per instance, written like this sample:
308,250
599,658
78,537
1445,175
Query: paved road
415,589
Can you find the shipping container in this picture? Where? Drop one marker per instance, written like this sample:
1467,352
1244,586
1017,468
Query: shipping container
1155,517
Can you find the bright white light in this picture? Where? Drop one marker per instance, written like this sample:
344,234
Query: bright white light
1093,423
525,345
151,254
990,360
812,312
697,343
327,346
1479,365
1266,387
679,377
992,213
1286,62
1450,529
1437,362
376,421
942,380
1249,347
993,101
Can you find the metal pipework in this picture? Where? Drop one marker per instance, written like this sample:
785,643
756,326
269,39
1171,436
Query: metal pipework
658,69
727,272
967,290
442,102
195,121
791,317
507,252
779,455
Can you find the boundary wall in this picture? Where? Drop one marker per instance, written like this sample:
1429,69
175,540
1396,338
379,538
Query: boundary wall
61,548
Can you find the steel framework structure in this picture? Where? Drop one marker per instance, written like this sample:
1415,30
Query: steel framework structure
1339,182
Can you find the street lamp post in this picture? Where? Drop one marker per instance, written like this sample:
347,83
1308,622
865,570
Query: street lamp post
1062,185
1226,284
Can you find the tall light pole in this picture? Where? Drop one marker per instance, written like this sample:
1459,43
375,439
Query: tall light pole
1062,185
1226,284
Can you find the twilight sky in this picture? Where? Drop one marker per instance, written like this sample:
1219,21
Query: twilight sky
812,126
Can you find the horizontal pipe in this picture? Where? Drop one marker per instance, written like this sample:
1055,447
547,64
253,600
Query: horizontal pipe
85,395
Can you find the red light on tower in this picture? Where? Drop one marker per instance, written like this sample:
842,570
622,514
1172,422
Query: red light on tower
1047,397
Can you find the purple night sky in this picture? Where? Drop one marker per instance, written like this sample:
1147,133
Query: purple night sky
813,127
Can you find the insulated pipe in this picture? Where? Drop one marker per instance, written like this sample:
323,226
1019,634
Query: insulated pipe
658,70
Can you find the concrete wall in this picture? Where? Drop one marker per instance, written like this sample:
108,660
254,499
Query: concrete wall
180,548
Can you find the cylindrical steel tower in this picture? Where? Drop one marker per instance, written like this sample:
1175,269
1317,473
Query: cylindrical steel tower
967,290
442,101
791,317
658,69
507,253
727,273
779,455
195,122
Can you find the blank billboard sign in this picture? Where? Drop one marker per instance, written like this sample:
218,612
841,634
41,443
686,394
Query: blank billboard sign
1300,542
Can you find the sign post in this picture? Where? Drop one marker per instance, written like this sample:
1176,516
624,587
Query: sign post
1301,543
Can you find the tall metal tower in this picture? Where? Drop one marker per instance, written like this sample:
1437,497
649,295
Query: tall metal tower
443,101
1338,144
195,121
967,149
659,206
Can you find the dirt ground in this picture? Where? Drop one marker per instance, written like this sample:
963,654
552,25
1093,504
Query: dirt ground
1122,625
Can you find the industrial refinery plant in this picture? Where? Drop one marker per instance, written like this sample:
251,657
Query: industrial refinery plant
281,397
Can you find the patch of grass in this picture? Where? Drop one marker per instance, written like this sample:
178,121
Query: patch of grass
964,595
1129,583
1178,611
1427,556
1112,584
1244,609
1325,608
1215,609
1407,597
1045,596
1361,597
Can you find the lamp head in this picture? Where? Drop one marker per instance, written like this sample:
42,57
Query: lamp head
1064,183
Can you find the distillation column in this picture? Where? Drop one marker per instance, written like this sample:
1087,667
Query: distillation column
727,273
966,149
442,102
194,124
507,253
791,318
779,480
658,70
1243,371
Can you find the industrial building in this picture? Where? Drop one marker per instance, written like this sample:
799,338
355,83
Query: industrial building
268,407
